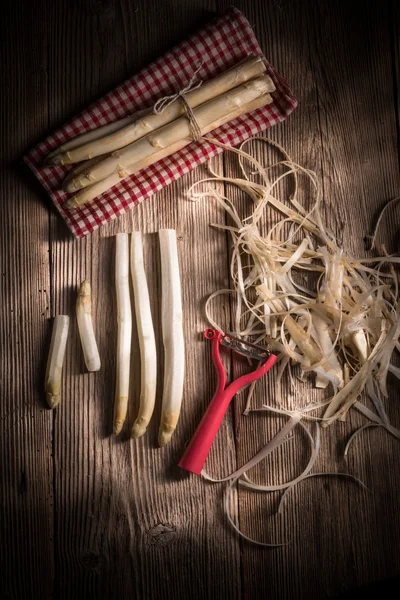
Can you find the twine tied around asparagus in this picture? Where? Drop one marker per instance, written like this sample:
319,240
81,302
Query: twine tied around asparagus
162,103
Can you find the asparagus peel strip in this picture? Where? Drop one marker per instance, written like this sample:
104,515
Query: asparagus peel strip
124,330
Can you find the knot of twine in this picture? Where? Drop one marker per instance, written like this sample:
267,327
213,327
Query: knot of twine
162,103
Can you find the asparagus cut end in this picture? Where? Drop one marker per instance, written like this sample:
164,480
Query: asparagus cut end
139,428
164,437
53,400
167,428
119,420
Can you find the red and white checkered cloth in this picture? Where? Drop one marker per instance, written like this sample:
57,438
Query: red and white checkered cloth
222,43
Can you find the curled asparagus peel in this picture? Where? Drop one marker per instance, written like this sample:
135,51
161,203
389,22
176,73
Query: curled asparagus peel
62,154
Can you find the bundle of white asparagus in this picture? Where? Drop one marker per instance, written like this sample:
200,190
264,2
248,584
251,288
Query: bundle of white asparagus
108,154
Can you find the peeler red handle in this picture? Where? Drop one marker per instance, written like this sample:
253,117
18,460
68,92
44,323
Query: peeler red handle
199,447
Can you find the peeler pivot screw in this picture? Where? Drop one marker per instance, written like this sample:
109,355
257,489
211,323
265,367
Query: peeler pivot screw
209,334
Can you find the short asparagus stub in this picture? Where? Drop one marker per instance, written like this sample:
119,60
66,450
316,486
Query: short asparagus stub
172,331
85,326
124,311
56,360
147,342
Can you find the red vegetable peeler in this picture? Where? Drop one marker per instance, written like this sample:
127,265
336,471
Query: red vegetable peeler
200,445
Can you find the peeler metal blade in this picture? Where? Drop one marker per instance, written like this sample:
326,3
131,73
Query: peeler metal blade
248,349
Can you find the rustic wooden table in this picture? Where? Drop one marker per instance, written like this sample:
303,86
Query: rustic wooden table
85,514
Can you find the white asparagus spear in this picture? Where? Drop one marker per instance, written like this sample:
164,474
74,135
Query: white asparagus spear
124,330
85,326
55,360
206,115
79,172
89,193
55,157
147,342
172,331
247,69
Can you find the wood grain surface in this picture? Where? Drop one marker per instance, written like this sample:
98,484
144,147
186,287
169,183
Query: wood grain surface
85,514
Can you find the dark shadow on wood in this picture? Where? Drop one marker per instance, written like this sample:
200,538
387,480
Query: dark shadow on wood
387,589
198,21
41,371
107,340
23,173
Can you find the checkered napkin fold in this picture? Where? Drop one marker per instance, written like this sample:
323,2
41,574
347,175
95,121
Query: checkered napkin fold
221,44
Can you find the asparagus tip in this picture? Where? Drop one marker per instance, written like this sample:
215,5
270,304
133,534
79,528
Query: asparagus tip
164,437
53,400
54,160
118,426
138,429
71,203
85,289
